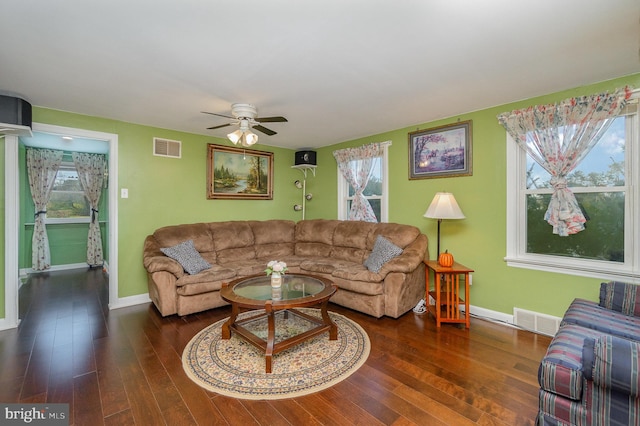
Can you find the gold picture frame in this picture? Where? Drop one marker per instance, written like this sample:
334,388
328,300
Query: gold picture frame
239,173
444,151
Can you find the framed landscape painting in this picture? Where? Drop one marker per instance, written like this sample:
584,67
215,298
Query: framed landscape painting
443,151
238,173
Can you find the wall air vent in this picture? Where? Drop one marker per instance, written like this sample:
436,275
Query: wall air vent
536,322
167,148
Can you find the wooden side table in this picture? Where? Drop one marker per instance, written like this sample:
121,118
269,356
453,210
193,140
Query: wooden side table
446,292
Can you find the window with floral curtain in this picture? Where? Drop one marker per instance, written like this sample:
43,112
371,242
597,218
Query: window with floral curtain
42,167
355,165
558,136
90,168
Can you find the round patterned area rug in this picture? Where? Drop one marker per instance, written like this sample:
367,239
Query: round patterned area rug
236,368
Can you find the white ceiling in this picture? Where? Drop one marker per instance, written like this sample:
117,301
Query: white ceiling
337,69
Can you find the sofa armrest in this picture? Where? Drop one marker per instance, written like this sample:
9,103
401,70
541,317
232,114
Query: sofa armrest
156,261
412,256
612,362
163,263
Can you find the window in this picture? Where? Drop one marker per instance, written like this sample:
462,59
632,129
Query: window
376,191
67,202
602,184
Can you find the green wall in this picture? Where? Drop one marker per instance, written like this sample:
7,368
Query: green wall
479,241
165,191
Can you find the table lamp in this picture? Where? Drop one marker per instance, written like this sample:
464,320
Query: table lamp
443,206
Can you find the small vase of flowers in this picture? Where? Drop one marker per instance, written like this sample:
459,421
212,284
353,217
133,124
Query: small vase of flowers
276,269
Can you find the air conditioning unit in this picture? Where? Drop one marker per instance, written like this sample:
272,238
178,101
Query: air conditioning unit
15,116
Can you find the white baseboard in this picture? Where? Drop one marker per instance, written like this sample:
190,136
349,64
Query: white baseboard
6,324
124,302
26,271
489,315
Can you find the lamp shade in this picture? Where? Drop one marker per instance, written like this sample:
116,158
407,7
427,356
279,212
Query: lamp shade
235,136
250,138
444,206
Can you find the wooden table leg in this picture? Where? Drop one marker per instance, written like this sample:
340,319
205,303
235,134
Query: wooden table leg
333,328
437,284
467,315
271,336
226,327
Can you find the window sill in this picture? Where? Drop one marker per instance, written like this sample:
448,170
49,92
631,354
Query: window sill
65,222
591,269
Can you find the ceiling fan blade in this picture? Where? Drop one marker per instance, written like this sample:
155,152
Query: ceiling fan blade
219,115
264,130
271,119
217,127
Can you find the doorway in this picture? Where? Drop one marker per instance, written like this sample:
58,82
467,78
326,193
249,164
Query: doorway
12,214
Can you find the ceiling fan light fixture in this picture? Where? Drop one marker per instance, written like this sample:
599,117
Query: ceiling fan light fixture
235,137
250,138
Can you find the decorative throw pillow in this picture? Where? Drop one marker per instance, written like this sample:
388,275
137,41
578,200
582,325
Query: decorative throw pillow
383,251
621,297
187,255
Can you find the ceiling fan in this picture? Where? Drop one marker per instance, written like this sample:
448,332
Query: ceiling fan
244,116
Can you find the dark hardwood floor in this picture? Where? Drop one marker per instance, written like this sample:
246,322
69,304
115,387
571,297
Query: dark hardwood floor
124,367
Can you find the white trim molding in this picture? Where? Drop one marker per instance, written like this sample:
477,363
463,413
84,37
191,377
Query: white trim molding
11,221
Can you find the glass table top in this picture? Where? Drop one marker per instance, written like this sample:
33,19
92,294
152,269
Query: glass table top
293,287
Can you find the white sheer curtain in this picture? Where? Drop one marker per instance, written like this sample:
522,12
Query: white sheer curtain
42,166
355,164
558,136
90,169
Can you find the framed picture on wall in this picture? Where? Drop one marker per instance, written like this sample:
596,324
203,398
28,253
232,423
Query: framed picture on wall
239,173
444,151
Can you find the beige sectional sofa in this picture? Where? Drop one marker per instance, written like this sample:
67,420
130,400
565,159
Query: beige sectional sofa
330,248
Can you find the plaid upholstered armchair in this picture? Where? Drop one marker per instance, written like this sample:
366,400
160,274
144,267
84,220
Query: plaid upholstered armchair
590,374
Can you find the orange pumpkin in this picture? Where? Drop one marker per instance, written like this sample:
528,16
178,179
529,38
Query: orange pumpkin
445,259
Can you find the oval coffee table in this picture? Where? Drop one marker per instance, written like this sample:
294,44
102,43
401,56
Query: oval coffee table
297,291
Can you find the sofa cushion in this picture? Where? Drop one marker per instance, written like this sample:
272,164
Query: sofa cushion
358,272
273,231
231,235
205,281
215,273
197,232
588,314
383,251
349,253
353,234
621,297
236,254
399,234
323,265
313,249
245,268
358,288
316,231
275,250
187,255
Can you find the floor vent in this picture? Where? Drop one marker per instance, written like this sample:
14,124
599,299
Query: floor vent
537,322
167,148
